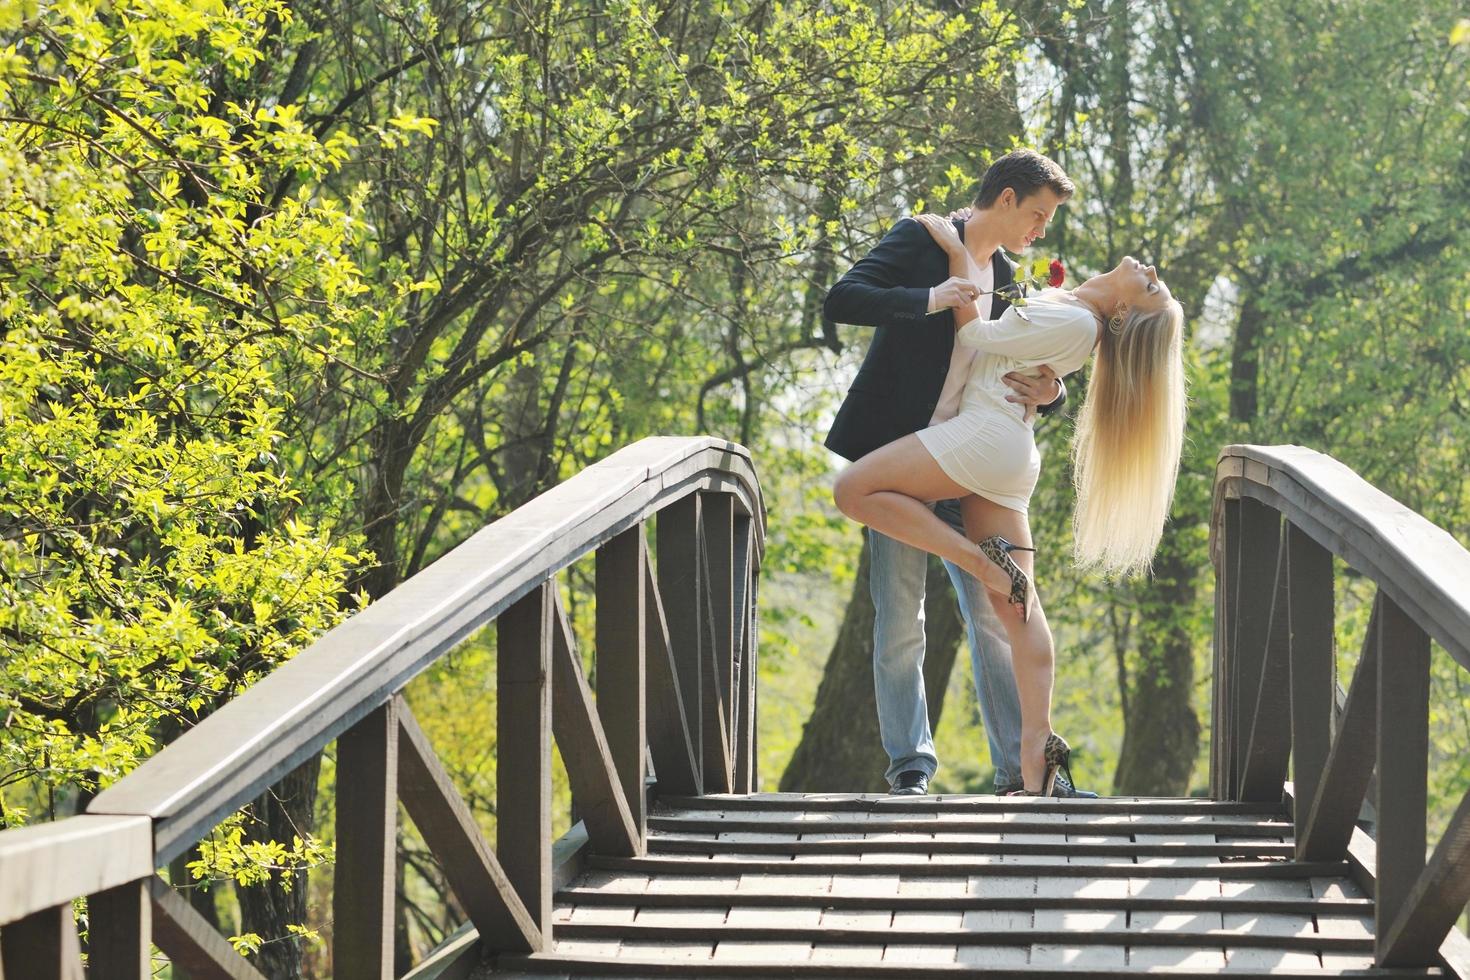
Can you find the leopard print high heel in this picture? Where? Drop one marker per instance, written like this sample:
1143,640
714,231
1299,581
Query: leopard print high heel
998,550
1055,754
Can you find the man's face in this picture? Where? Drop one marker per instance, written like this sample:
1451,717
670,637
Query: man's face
1025,219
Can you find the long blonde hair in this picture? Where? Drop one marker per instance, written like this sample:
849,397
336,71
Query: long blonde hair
1129,435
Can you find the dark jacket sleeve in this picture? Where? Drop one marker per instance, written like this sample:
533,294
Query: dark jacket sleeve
1058,402
871,294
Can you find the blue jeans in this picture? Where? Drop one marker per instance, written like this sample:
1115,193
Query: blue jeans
896,577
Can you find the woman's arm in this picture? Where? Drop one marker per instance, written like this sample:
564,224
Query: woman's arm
1049,333
959,266
963,300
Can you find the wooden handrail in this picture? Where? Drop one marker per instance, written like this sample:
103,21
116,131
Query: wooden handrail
1280,515
678,687
1417,564
280,722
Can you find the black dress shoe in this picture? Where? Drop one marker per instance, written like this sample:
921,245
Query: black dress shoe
910,782
1064,787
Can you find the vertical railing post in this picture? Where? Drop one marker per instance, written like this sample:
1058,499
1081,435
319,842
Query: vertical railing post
1403,770
743,725
681,584
622,700
120,933
367,816
42,946
1313,667
523,751
718,511
1255,579
1226,582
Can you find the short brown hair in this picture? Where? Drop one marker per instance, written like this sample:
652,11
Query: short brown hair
1026,172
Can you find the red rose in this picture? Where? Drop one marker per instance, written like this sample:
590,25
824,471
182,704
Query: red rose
1057,273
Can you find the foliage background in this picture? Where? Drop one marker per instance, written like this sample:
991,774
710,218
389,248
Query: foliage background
296,295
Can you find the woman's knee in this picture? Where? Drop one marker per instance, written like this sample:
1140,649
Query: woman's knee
847,492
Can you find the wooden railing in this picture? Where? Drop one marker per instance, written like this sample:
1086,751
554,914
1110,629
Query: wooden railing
1280,515
675,655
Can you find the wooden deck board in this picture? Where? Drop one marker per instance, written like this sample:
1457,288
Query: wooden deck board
858,885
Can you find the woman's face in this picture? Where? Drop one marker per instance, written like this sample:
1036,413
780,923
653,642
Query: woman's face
1139,286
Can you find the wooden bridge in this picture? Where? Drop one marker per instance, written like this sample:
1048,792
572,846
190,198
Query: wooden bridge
676,868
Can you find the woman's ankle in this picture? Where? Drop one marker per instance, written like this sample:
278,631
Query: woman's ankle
1035,739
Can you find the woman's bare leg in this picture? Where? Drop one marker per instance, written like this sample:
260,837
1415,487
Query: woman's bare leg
1033,656
889,490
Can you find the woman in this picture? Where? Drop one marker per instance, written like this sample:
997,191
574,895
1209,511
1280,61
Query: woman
1125,454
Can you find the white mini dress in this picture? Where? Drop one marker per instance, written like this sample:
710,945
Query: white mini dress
989,447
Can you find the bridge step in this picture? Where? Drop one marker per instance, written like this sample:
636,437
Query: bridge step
828,885
562,967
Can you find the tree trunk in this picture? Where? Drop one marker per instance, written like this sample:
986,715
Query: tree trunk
840,751
284,811
1245,365
1161,730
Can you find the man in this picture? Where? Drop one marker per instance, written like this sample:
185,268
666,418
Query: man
912,377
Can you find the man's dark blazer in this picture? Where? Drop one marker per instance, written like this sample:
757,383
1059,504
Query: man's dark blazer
901,377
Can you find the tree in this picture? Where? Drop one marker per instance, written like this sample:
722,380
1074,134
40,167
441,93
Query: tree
1308,213
154,554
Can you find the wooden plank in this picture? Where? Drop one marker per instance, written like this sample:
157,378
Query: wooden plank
1313,678
1019,808
1303,939
367,816
295,712
1260,543
584,749
681,589
1438,897
601,959
937,825
622,695
670,739
1403,777
456,958
47,865
1329,821
569,855
1122,868
1086,898
42,946
191,943
523,750
479,881
881,845
1270,736
717,528
120,933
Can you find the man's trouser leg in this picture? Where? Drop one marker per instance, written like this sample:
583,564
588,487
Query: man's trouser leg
896,574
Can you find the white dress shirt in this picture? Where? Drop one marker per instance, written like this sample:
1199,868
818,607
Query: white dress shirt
960,361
